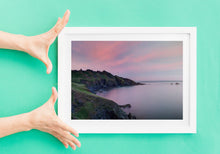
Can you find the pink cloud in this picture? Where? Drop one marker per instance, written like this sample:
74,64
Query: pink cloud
120,57
102,50
171,52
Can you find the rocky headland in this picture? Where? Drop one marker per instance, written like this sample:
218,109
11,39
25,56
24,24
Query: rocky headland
97,80
87,105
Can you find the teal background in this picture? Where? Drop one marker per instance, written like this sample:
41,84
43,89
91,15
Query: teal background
24,84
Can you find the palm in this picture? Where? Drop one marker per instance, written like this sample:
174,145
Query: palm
45,119
40,44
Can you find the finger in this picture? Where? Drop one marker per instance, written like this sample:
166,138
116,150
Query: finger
53,97
71,138
66,145
72,145
50,35
58,21
66,17
61,23
58,27
49,66
64,142
66,127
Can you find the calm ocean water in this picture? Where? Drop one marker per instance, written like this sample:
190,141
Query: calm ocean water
154,100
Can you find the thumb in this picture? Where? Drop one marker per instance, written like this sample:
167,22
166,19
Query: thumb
53,97
49,66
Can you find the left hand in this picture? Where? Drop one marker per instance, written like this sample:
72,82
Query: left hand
44,118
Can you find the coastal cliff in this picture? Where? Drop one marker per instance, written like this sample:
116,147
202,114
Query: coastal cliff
97,80
87,105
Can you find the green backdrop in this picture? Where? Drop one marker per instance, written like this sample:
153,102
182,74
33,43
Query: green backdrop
24,84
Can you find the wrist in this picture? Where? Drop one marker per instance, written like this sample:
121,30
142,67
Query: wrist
23,44
28,125
14,41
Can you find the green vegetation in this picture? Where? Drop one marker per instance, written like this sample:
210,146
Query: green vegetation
96,80
87,105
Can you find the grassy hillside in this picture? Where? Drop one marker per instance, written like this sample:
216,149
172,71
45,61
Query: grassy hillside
86,105
96,80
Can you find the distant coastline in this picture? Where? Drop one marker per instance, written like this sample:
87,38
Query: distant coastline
162,81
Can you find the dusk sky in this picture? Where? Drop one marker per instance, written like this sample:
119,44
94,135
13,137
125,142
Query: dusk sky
137,60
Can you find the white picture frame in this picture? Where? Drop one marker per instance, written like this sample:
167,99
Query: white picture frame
185,34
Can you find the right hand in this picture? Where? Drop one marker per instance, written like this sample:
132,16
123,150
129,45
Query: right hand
39,45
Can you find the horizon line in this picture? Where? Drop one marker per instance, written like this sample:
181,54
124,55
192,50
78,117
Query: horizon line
129,78
159,80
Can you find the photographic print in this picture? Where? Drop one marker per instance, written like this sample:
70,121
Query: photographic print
126,79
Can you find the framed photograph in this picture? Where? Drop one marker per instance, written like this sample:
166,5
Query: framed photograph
127,79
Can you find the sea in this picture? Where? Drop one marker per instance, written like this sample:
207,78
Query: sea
152,100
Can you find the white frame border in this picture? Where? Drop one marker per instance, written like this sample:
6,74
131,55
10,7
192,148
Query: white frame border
188,125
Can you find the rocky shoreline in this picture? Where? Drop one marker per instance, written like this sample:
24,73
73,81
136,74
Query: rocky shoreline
87,105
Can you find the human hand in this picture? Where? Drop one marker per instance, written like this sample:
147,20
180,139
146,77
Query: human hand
38,46
45,119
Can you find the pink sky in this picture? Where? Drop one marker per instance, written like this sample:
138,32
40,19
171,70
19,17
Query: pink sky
137,60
